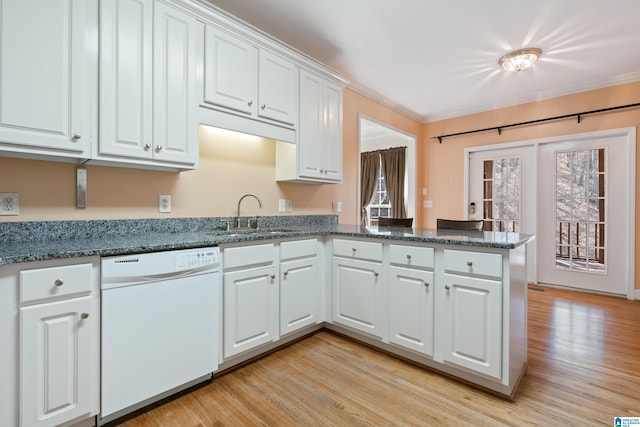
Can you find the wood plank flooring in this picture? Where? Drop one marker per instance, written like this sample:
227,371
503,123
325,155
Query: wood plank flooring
584,369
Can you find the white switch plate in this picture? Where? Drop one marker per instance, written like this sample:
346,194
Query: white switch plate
427,204
9,204
289,206
337,207
282,205
164,204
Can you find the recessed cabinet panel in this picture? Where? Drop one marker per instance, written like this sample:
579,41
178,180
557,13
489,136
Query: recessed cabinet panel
46,87
278,89
299,281
126,78
55,368
473,323
230,72
411,308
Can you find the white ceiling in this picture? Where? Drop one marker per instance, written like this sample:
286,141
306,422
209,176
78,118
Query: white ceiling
436,59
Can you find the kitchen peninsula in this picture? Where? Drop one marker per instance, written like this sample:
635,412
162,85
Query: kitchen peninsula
454,301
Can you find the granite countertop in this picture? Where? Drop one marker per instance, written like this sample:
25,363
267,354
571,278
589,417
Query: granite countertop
108,245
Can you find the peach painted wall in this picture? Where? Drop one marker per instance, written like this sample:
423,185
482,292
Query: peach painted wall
230,166
445,165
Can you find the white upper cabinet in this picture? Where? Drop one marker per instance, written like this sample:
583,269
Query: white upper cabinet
231,68
317,155
243,79
47,77
278,89
147,85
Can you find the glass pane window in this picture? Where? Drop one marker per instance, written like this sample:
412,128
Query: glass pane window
581,210
501,194
380,205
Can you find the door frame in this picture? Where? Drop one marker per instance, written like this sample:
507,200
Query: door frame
630,134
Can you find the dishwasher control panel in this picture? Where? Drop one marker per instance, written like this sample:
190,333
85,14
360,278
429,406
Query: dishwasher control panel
186,260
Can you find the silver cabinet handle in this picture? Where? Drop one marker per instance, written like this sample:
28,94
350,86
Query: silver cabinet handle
447,287
84,316
469,263
147,147
58,282
285,273
77,136
250,103
158,148
263,106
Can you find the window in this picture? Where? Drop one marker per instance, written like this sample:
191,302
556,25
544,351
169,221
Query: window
380,205
501,194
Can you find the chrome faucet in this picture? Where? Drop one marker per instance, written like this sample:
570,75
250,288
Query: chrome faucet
240,201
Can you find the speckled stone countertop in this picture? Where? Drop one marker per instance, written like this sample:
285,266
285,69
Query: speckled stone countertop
36,241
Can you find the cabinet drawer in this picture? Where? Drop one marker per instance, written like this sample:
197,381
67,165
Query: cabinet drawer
476,263
357,249
298,249
247,255
55,282
413,256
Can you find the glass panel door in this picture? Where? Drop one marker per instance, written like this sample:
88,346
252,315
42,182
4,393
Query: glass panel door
501,194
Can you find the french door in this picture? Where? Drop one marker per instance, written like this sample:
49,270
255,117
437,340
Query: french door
576,193
585,212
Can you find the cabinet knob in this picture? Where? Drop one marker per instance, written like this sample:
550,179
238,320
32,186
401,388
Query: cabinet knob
285,273
147,147
58,282
447,287
263,106
158,148
426,284
353,250
250,103
273,277
469,264
408,257
76,136
375,273
84,316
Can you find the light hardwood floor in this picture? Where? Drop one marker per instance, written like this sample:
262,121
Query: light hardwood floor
584,370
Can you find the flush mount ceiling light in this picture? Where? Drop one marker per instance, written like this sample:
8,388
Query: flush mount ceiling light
520,59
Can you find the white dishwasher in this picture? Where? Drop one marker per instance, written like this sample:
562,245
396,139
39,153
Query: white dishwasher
160,326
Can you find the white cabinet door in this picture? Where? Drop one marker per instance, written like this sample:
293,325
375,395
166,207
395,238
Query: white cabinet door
47,81
230,72
299,283
472,323
126,78
320,130
411,308
250,304
333,132
278,88
175,127
357,290
55,362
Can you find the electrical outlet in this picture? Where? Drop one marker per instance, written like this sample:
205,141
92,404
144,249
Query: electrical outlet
282,205
337,207
289,206
9,204
164,204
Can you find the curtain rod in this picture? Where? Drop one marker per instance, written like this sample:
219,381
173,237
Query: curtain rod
500,128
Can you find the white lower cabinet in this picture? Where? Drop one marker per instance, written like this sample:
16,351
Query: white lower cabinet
250,300
472,311
299,285
249,309
357,285
411,308
55,356
50,336
411,290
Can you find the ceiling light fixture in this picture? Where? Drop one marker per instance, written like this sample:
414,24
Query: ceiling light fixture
520,59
